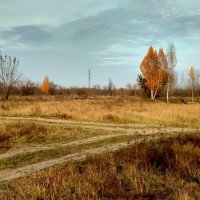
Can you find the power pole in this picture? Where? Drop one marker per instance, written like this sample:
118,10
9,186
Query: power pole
89,78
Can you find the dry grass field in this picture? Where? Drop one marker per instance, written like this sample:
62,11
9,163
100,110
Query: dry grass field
168,169
106,109
40,136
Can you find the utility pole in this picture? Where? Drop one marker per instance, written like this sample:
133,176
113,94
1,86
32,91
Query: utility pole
89,78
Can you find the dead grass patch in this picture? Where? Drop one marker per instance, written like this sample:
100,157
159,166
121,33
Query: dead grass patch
112,109
149,171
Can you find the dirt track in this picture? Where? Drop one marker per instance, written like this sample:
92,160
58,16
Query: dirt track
35,148
128,129
106,126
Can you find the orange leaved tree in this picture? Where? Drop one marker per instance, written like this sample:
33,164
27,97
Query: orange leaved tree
154,70
192,80
45,86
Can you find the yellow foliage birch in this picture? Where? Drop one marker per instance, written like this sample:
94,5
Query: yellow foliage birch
45,86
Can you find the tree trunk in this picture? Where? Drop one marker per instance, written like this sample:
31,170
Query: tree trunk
6,95
152,95
168,91
155,94
110,91
192,95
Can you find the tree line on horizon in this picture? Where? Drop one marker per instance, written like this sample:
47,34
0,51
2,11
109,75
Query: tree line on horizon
157,79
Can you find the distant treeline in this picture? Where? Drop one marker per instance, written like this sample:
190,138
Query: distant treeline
29,88
157,80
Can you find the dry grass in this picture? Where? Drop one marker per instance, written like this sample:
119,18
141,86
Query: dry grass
18,134
165,170
113,109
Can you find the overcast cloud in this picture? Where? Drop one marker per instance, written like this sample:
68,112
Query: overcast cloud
64,38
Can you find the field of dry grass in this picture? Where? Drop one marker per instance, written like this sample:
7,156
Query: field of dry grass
46,132
168,169
106,109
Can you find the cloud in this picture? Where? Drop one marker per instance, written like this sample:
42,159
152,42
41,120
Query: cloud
133,23
101,33
27,35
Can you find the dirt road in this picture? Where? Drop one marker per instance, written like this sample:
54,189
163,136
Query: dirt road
9,174
128,129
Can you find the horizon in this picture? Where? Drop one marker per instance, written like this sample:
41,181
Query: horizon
64,39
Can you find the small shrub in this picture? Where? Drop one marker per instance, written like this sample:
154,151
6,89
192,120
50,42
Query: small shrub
4,107
66,116
110,117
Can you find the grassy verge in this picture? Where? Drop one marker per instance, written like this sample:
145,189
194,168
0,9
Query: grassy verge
165,170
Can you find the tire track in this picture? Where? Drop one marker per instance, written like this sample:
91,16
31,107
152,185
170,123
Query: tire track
128,129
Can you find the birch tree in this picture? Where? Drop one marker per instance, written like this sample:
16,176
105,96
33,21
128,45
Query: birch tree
45,86
153,70
171,64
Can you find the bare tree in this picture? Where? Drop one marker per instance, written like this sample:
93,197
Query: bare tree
198,83
9,74
132,89
172,61
192,81
110,87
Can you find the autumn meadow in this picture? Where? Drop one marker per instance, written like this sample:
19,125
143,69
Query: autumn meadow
138,142
99,100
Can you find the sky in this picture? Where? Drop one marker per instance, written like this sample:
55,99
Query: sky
63,39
